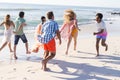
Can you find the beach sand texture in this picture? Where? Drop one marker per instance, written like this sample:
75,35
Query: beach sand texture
77,65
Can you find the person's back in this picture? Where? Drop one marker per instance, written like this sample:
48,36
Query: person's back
18,22
19,34
8,24
49,30
69,29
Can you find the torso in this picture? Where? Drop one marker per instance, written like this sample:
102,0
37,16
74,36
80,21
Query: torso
7,27
18,22
101,25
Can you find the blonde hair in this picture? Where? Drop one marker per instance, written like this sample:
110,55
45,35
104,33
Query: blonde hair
69,15
7,19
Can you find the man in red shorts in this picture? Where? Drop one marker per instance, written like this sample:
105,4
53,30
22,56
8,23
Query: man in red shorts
49,31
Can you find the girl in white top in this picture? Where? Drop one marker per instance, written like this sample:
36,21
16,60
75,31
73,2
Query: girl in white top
7,32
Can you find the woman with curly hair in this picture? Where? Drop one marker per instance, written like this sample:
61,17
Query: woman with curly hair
69,28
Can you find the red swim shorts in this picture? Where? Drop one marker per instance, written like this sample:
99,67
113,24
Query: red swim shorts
50,46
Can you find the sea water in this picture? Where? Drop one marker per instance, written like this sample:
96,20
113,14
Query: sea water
33,13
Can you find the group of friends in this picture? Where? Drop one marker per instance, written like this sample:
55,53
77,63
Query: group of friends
47,31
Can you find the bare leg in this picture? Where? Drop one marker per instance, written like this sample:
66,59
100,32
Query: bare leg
68,45
46,53
75,40
27,51
97,46
44,61
15,51
3,45
9,45
104,44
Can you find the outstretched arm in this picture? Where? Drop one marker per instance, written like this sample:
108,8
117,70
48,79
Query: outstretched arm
2,23
62,27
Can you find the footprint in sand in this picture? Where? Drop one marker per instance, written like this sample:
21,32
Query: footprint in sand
25,78
28,70
33,72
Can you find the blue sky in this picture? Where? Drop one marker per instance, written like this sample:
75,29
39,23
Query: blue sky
98,3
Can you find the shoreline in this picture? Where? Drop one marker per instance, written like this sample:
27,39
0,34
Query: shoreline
78,65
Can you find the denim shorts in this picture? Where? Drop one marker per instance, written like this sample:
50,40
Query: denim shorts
17,37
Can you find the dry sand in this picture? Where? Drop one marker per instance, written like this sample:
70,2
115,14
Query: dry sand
77,65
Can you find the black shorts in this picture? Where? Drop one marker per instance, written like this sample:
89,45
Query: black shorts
17,37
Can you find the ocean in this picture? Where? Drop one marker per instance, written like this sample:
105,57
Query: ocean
33,13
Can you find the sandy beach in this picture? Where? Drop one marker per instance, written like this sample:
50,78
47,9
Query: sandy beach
77,65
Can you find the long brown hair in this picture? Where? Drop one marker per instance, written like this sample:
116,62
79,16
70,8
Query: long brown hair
7,20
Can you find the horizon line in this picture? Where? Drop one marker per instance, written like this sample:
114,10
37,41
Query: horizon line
54,5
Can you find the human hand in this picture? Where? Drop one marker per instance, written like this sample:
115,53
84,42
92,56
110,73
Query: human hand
79,29
60,42
14,32
94,33
56,37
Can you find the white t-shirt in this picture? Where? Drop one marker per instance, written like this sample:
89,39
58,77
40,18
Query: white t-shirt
101,26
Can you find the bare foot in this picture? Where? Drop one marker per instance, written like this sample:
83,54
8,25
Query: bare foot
15,57
47,69
74,49
106,48
44,66
66,52
97,55
28,52
11,51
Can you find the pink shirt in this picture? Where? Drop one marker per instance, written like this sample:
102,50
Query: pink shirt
66,29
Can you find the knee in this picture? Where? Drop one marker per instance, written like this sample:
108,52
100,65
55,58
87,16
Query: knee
103,44
97,45
53,54
75,41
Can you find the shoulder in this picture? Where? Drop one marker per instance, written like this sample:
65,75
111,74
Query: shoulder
102,23
54,22
17,19
39,25
20,19
50,22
